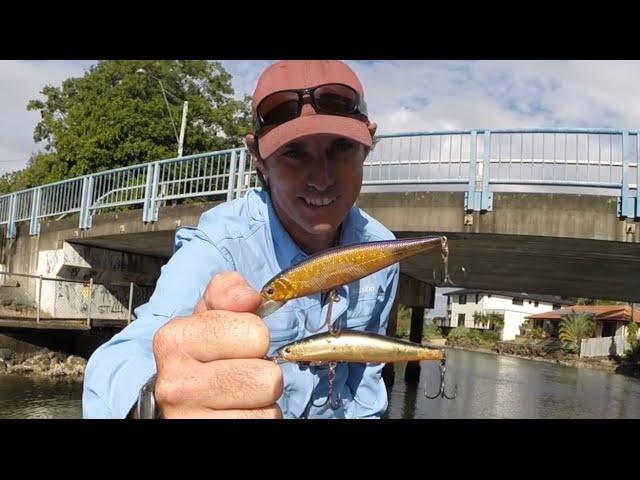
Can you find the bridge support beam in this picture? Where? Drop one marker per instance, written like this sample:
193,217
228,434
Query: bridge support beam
412,372
478,197
388,371
417,295
626,207
11,224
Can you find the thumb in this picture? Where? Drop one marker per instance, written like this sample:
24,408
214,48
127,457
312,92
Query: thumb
229,291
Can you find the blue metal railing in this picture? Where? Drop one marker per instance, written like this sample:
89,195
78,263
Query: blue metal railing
478,162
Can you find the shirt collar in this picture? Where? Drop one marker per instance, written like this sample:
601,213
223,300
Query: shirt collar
287,251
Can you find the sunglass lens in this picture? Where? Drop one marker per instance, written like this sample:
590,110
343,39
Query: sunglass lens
336,98
278,108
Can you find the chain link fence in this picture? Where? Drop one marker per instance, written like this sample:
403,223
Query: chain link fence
33,297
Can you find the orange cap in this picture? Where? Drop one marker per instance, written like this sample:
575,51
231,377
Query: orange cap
301,74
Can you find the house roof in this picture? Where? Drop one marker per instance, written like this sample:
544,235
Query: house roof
603,313
553,299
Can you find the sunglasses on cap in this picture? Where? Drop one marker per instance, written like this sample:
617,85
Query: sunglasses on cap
331,98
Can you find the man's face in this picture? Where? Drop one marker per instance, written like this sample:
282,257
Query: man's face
314,181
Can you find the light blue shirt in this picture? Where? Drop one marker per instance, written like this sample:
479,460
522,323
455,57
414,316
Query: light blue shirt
245,235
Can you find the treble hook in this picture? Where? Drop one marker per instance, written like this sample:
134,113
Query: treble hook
335,331
335,328
441,392
446,278
334,401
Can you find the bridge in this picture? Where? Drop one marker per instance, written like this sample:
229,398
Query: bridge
549,211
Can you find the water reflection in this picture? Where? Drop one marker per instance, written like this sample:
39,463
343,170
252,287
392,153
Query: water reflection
490,386
30,397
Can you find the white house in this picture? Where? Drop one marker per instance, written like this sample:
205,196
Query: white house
462,304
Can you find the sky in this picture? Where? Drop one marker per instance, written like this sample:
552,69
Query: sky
402,96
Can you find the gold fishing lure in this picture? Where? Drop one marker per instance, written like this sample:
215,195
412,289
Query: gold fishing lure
359,347
355,346
338,266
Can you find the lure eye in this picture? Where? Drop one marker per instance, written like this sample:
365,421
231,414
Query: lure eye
270,291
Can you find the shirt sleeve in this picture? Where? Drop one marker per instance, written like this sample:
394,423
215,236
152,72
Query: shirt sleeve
370,395
118,368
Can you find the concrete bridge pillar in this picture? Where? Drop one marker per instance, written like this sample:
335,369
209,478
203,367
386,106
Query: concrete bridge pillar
417,295
99,281
73,281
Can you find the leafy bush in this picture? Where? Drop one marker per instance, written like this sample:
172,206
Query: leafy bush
431,331
537,332
467,337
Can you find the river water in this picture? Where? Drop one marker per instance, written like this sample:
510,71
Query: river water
489,386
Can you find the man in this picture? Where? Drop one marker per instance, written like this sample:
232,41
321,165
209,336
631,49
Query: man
198,333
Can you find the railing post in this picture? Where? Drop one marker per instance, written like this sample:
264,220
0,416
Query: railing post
90,298
147,194
90,201
39,301
241,168
34,223
85,202
472,201
232,174
89,216
487,196
11,225
625,202
154,208
130,302
638,174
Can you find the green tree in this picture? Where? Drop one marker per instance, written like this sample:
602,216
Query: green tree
7,181
632,337
403,321
574,327
42,167
114,116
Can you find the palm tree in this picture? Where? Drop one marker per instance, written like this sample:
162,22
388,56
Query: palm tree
576,326
495,320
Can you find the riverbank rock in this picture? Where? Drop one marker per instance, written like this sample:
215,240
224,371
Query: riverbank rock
550,350
545,348
6,354
44,362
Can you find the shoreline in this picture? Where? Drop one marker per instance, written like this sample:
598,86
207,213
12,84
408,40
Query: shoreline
43,363
597,363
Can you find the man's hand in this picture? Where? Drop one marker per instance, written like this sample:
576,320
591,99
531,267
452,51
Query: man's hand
210,364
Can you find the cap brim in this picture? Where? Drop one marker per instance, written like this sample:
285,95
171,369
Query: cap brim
347,127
